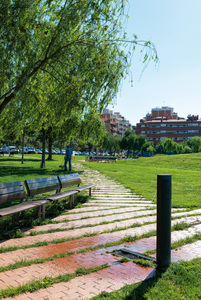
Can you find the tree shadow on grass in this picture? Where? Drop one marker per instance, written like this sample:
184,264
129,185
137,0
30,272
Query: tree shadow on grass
13,168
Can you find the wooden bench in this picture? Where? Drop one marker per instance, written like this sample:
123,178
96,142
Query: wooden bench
12,191
48,184
73,179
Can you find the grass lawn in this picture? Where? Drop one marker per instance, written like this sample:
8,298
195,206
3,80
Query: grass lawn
140,175
12,170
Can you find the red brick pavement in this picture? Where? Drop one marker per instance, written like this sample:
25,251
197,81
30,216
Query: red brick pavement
86,287
55,268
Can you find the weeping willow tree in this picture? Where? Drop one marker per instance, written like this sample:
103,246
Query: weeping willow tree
63,60
80,43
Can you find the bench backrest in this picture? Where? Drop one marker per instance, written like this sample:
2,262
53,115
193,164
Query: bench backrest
42,185
12,191
69,180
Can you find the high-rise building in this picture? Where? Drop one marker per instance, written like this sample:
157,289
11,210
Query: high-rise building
164,123
115,122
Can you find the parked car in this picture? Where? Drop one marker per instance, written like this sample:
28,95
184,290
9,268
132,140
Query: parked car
46,151
54,152
2,150
30,150
38,151
11,150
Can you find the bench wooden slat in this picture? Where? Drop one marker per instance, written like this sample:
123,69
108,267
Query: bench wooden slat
43,179
85,187
43,189
72,179
42,185
11,197
70,183
69,176
62,195
21,207
11,190
11,184
33,183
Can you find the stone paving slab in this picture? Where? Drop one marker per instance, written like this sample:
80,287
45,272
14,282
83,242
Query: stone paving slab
91,204
120,200
120,222
93,221
97,213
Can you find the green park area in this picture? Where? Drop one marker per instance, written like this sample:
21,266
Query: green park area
62,63
139,175
182,280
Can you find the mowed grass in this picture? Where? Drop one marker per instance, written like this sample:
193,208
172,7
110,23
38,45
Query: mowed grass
11,168
140,175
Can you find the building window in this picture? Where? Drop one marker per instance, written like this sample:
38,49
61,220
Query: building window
142,131
193,124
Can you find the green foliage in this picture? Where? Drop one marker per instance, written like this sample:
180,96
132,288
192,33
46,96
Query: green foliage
195,144
62,63
84,53
187,149
148,147
111,142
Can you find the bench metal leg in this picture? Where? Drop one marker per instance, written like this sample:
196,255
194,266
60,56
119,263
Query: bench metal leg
43,211
90,192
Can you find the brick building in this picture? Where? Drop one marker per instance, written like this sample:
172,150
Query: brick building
115,122
164,123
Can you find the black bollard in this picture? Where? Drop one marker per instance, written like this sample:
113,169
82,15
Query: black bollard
163,256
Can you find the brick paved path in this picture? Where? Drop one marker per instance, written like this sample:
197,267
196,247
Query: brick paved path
110,215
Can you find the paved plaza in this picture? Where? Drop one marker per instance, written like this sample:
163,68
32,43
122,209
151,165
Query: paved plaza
83,237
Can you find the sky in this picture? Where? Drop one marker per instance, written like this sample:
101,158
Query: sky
174,26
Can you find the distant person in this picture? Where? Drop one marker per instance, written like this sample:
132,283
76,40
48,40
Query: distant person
68,156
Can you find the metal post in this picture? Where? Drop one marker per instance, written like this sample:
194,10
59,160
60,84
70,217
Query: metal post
163,256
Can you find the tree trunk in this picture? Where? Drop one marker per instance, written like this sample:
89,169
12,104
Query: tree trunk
43,153
23,136
50,142
50,149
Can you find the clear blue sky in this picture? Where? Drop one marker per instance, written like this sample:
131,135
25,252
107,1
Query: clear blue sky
174,26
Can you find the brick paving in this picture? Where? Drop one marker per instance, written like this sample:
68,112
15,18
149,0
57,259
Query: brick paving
108,210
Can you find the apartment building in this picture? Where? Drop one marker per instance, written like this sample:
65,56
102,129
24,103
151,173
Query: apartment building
115,122
164,123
